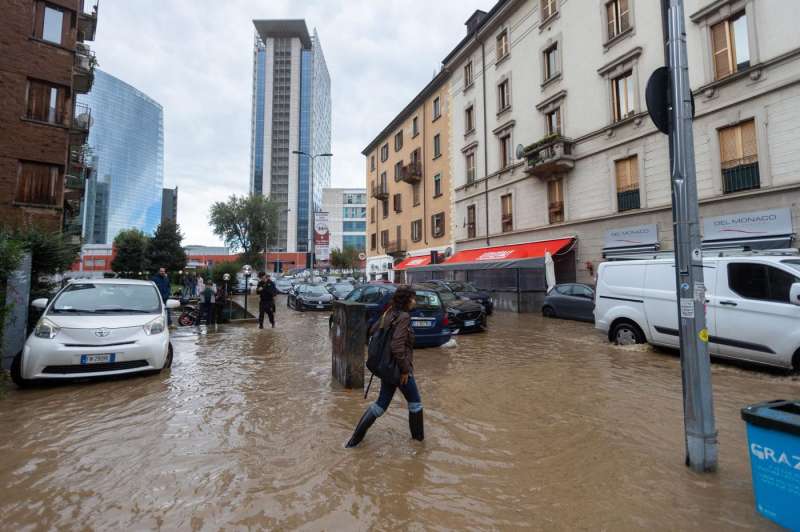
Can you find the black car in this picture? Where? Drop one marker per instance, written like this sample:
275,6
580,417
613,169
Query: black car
464,315
570,300
467,290
309,297
340,290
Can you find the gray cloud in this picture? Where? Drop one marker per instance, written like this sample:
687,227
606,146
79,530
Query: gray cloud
194,57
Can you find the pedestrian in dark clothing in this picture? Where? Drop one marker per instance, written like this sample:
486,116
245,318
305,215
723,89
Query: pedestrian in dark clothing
267,291
164,287
207,304
402,343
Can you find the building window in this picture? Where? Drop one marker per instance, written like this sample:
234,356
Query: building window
437,185
399,237
553,119
730,46
548,8
555,200
507,213
618,17
503,96
502,45
414,126
468,74
398,171
373,241
352,226
398,141
627,173
416,230
353,241
506,158
46,102
470,163
38,184
415,193
437,109
397,199
622,96
469,119
51,25
550,62
471,221
384,238
437,225
385,208
372,163
437,146
739,157
372,215
384,152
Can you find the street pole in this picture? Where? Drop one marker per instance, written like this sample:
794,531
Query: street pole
699,424
313,219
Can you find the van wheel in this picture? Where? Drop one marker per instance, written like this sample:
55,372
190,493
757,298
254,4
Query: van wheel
16,372
627,333
548,312
796,362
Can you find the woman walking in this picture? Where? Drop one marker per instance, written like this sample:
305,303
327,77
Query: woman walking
402,343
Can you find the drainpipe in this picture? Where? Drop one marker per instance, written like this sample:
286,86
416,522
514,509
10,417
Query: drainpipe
485,142
424,175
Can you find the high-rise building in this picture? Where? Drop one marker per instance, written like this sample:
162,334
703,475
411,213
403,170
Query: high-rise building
44,63
127,143
347,217
291,112
169,205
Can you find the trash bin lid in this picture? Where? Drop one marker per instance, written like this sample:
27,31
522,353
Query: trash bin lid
780,415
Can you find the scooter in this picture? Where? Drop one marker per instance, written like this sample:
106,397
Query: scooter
189,316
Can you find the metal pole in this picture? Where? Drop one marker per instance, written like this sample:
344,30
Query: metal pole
313,220
699,425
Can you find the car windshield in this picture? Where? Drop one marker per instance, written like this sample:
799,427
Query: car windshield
461,287
447,297
315,290
427,299
342,287
101,298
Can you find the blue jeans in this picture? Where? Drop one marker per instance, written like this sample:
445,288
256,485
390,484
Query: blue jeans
409,391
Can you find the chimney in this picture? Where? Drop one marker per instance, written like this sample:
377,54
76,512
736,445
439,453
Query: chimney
474,21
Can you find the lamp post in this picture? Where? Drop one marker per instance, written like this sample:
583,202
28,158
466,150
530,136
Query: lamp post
247,270
227,277
313,208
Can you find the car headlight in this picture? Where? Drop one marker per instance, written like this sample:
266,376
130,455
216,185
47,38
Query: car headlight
46,329
156,326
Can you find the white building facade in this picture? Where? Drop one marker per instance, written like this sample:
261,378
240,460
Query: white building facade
347,217
551,138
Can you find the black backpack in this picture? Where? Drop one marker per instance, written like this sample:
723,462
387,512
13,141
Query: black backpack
379,356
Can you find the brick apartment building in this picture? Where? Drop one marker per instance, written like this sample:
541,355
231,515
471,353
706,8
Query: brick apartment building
44,63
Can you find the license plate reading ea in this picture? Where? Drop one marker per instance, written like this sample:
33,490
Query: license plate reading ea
97,359
469,323
424,323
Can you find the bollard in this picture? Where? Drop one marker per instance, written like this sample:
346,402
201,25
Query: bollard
348,343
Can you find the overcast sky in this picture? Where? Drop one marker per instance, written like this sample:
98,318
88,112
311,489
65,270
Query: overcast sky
195,58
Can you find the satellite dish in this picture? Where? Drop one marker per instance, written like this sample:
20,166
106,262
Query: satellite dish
449,251
520,151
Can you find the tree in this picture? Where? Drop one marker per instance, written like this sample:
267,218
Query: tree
245,223
164,250
346,258
51,254
131,247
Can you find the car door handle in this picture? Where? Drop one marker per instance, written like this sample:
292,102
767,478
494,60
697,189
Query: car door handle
728,303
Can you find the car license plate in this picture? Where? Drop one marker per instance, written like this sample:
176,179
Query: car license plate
97,359
424,323
469,323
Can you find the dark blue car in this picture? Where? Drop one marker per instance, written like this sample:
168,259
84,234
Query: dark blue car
429,319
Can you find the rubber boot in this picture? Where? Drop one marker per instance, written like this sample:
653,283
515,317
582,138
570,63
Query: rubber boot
416,426
363,426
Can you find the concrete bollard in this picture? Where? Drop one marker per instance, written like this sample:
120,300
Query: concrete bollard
348,343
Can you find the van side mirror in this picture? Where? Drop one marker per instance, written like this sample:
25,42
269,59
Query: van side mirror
794,294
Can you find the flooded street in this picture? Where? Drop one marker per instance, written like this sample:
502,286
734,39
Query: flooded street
538,424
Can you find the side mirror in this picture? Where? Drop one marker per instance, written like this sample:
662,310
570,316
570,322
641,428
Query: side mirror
173,303
794,294
41,303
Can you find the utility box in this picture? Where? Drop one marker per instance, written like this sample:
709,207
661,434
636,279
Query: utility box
773,438
348,343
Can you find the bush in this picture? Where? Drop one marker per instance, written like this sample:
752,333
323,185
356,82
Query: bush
222,268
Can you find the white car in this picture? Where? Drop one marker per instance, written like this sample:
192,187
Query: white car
95,328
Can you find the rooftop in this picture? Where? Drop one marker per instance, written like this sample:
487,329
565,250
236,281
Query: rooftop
273,28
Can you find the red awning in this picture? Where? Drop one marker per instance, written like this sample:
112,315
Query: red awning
532,250
413,262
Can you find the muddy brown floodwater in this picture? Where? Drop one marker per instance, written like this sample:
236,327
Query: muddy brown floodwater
538,424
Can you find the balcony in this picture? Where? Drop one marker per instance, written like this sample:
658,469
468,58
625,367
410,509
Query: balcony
628,199
396,248
87,24
81,122
550,156
74,183
740,174
412,172
83,69
380,191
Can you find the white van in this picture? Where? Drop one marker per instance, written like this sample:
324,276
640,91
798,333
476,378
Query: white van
752,305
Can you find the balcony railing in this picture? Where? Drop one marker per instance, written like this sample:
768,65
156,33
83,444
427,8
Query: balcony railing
628,199
380,191
83,70
551,155
396,247
740,174
87,23
412,172
81,122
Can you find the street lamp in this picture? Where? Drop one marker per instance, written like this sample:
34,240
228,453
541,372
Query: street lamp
247,270
313,209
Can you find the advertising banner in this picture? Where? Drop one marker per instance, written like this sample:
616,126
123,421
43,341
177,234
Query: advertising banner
322,237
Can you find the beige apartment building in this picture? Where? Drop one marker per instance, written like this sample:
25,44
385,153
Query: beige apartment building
408,184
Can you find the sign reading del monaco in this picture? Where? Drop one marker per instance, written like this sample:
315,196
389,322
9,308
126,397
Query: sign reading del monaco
757,224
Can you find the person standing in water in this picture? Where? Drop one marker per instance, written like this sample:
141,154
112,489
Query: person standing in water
266,291
402,342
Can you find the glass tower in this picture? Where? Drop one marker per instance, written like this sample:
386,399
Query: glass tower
291,110
127,139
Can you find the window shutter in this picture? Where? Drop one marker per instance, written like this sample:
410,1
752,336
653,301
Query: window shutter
748,132
633,172
720,42
729,145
